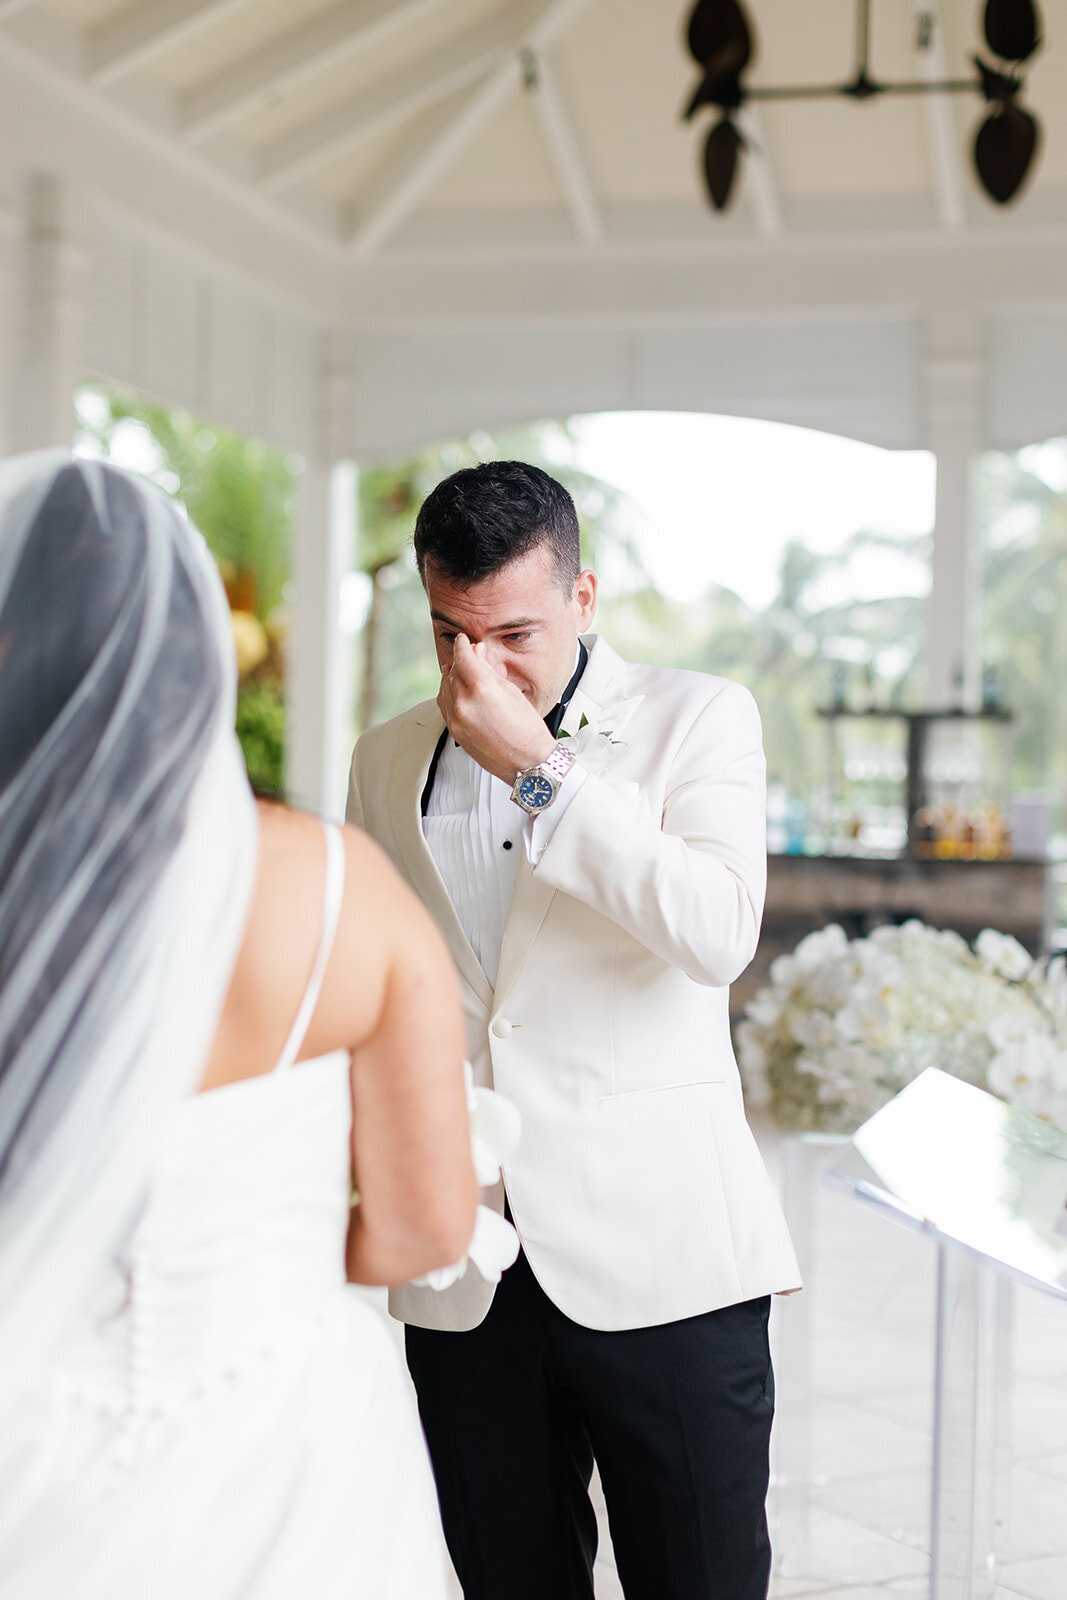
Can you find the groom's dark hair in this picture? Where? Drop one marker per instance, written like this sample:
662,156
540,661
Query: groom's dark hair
481,518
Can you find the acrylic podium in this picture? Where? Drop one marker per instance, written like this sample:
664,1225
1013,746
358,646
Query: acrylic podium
989,1184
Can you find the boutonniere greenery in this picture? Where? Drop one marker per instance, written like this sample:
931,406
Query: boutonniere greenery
597,741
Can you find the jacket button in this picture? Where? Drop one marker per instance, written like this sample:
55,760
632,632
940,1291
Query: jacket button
501,1027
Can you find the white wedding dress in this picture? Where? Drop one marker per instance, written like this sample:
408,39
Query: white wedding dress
235,1423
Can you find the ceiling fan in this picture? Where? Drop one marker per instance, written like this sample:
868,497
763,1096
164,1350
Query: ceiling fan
720,39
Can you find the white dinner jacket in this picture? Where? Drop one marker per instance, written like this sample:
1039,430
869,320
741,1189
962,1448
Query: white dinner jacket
636,1187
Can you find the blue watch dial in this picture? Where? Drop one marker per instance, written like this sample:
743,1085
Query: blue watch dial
535,791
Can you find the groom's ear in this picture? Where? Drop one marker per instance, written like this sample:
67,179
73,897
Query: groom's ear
585,593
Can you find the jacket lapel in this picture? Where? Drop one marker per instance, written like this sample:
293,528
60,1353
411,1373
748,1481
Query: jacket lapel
407,780
530,901
600,684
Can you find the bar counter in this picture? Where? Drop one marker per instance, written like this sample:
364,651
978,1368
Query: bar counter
862,892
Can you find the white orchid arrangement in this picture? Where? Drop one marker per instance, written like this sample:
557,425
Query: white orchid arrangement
845,1024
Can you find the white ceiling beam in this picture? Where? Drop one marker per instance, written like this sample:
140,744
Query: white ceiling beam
135,36
381,221
395,100
949,179
283,64
564,148
761,187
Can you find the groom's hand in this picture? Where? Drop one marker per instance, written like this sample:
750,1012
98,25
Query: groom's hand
492,719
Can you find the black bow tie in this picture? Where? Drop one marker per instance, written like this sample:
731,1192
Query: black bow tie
552,722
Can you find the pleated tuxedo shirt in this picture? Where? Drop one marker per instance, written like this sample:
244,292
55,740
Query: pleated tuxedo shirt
476,834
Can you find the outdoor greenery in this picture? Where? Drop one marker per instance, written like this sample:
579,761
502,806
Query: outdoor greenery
239,492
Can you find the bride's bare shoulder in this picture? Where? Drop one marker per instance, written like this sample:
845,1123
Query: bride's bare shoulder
281,939
292,856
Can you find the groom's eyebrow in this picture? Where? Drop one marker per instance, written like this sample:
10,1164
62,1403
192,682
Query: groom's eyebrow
503,627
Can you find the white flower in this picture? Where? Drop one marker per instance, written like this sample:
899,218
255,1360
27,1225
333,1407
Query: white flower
845,1025
827,944
597,740
495,1127
1003,954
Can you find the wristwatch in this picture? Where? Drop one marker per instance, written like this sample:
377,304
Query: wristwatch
537,787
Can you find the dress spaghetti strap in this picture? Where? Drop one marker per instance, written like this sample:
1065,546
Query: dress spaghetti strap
333,894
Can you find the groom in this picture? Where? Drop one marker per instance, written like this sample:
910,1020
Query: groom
589,835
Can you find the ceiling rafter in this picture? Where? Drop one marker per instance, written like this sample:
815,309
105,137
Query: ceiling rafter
564,147
949,177
135,36
377,223
394,100
761,185
284,63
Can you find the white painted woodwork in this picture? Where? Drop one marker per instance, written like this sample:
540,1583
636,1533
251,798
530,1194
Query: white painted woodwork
49,304
565,149
167,324
380,222
48,117
941,121
283,64
955,397
836,374
132,37
398,98
656,276
320,678
758,183
9,247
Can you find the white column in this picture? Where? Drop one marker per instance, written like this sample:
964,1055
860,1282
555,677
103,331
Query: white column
953,659
320,676
49,300
9,238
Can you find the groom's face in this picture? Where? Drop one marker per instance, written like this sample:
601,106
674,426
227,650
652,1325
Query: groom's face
528,622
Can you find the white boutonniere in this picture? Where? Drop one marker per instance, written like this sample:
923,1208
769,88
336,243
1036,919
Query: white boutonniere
597,740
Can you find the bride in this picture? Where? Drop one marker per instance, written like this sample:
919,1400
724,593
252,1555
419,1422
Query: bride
192,1404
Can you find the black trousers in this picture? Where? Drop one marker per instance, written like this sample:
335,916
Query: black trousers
677,1417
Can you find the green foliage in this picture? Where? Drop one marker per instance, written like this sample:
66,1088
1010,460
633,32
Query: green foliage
238,491
261,732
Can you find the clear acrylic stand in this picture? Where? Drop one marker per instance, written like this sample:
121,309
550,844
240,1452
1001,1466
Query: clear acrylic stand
989,1184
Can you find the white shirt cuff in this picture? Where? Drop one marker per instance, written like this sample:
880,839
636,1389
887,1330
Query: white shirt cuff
539,829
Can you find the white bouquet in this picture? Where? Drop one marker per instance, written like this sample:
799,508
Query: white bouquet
845,1024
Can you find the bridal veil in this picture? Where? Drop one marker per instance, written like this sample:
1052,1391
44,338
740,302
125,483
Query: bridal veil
127,855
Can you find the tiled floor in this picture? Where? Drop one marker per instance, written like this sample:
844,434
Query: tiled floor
870,1295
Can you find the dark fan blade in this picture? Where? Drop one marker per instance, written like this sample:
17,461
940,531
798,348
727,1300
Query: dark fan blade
724,92
1004,151
720,39
1012,28
721,152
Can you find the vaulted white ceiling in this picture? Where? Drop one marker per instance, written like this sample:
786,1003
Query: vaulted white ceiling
487,210
376,124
